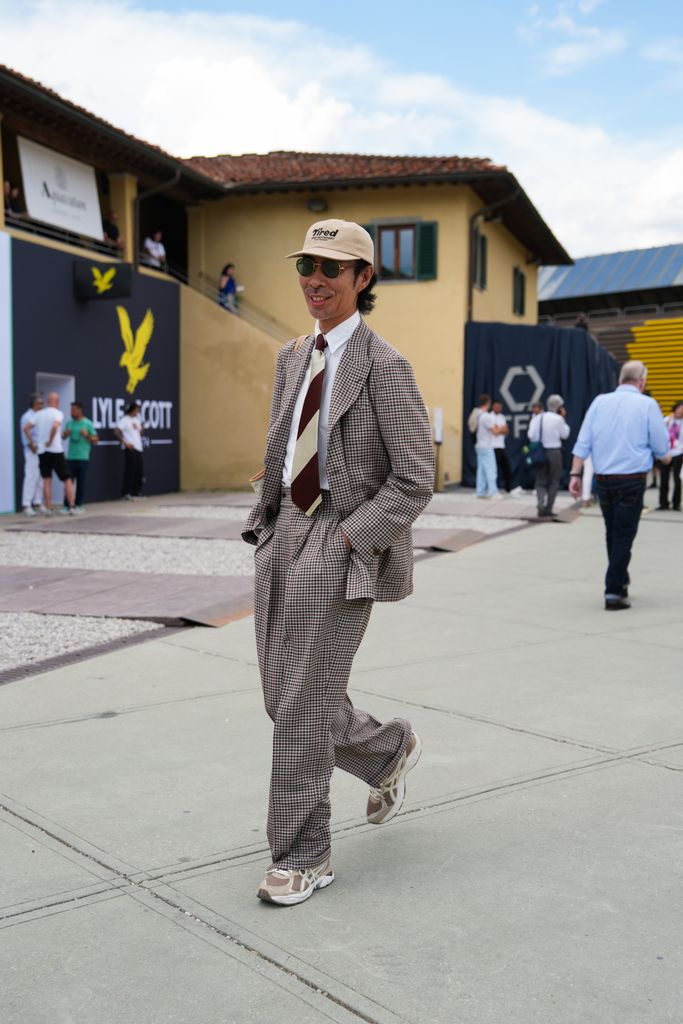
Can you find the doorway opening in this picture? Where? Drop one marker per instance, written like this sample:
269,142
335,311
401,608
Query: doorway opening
65,386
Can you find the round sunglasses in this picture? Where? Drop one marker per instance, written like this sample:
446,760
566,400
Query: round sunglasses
305,265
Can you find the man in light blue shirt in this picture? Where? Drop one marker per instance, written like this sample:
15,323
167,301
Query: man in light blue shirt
622,431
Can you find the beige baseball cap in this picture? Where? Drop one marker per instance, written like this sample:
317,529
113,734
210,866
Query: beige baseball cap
337,240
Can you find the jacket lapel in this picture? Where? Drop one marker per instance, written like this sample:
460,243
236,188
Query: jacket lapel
352,372
296,371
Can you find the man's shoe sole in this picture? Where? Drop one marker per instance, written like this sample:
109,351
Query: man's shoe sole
296,897
411,761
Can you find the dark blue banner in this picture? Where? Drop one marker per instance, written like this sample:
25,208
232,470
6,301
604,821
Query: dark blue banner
522,365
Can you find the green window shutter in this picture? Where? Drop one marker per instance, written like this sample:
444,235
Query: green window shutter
518,291
425,245
480,259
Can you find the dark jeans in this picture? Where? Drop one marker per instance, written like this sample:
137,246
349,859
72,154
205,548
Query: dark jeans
78,468
503,464
621,502
132,472
664,473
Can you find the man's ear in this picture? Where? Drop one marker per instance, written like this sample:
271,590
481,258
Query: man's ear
364,278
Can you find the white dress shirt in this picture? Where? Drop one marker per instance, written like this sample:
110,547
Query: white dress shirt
555,429
336,344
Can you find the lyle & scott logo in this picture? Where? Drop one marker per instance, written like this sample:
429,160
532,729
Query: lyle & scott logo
135,347
103,282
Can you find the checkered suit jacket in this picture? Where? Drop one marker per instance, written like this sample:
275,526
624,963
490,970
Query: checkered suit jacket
380,459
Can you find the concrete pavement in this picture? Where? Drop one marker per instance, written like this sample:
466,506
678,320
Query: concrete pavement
534,876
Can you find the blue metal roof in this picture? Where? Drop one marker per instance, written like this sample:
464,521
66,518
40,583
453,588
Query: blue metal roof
615,272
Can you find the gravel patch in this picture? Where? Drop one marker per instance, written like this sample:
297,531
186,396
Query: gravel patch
485,524
187,557
27,638
233,513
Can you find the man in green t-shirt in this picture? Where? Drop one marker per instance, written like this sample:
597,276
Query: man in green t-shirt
82,436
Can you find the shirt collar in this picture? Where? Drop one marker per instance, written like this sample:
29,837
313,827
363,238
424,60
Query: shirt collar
340,334
631,387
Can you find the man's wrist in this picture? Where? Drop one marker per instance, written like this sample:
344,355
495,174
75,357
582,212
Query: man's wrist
576,474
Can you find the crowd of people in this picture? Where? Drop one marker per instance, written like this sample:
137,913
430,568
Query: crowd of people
44,434
544,461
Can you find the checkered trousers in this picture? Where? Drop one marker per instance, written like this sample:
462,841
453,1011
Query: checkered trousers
307,634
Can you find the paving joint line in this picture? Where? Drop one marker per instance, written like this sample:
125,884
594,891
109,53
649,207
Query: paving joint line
489,721
49,723
13,675
253,950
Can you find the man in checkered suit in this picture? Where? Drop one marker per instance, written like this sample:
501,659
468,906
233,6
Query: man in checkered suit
320,567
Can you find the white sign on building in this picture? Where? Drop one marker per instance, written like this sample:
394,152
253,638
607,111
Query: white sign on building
60,191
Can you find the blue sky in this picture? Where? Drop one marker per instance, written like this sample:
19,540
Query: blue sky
581,99
498,46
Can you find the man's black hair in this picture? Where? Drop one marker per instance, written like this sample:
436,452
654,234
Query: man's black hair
79,405
484,398
366,297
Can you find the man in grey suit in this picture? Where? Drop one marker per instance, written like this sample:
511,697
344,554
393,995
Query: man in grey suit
349,465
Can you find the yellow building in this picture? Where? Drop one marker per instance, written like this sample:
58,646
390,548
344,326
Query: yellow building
456,239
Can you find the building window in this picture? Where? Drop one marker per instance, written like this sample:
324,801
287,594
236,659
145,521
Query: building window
518,292
396,256
405,252
480,259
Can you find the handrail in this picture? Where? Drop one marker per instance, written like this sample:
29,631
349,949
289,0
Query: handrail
204,284
22,222
248,310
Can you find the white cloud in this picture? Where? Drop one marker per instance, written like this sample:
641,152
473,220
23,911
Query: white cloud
583,43
201,84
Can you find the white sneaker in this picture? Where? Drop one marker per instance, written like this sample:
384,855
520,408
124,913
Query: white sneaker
287,887
64,511
79,510
28,511
386,799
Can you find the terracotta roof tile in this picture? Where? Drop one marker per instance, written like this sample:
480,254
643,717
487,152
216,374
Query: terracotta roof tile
298,168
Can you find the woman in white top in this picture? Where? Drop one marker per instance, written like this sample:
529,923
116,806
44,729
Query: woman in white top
154,252
550,429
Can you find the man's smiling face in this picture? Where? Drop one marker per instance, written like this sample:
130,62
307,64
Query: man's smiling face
331,300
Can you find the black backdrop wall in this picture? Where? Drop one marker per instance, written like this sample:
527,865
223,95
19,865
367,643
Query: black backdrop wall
56,334
521,365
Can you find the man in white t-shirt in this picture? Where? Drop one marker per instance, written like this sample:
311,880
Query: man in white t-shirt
32,488
48,437
129,432
487,432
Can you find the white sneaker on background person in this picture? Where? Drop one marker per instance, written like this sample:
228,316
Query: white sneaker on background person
28,511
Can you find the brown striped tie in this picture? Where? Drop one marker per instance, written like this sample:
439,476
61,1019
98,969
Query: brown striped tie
305,470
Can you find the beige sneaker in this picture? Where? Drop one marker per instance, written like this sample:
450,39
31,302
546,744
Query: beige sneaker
386,800
287,886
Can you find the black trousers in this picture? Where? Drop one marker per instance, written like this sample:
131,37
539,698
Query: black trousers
621,502
79,474
673,467
503,465
132,472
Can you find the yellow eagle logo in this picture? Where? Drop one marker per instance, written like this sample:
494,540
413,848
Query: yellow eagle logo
103,282
135,347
